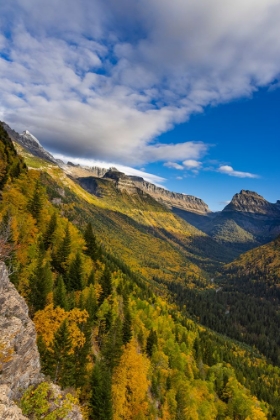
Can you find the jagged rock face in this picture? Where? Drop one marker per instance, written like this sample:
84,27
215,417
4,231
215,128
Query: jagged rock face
122,182
172,199
30,143
19,356
18,335
8,409
251,202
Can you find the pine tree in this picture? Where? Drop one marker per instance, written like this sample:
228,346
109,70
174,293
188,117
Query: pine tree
112,347
127,328
59,259
101,399
151,342
91,304
75,274
91,278
35,204
80,356
106,284
64,369
40,284
60,294
91,246
48,236
46,357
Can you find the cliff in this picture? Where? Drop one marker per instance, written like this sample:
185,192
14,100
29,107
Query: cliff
19,356
172,199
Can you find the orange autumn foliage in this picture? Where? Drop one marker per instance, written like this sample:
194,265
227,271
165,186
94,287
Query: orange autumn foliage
48,320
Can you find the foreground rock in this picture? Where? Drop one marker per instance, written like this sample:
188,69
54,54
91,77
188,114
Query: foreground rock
19,356
18,336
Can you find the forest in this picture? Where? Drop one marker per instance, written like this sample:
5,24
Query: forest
128,322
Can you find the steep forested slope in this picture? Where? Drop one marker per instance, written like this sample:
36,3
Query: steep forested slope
106,326
245,302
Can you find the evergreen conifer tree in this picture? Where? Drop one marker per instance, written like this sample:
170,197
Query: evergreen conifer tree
91,305
48,236
40,284
59,259
91,278
91,246
64,368
106,284
75,274
35,204
126,328
60,294
101,399
151,341
112,347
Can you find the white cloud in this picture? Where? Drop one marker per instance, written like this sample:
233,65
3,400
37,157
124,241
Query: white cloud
228,170
192,164
174,165
104,79
154,179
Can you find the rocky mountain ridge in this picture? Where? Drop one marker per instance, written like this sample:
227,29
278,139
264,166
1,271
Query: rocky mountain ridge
247,221
137,185
30,143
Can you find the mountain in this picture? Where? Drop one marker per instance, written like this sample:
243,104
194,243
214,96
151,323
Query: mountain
95,269
131,183
246,222
29,143
251,202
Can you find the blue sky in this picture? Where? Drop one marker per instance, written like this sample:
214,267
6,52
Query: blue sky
186,93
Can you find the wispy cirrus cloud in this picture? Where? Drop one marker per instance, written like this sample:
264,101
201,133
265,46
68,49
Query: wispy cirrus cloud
104,79
228,170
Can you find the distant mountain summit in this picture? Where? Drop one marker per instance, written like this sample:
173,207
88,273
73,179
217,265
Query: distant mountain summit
246,222
251,202
27,137
29,142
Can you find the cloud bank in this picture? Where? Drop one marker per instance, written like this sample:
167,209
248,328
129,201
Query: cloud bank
103,79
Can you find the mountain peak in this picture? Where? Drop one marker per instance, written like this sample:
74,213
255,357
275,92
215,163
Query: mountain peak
251,202
29,137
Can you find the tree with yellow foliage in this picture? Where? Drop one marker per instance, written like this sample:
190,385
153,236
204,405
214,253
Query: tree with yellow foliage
130,384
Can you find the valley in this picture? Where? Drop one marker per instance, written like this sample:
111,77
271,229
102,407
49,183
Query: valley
124,278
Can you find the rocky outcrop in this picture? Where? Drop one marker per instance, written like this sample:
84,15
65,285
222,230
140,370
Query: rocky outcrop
19,356
251,202
30,143
121,181
20,364
8,409
18,336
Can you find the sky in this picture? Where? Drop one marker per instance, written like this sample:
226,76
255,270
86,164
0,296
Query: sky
184,93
